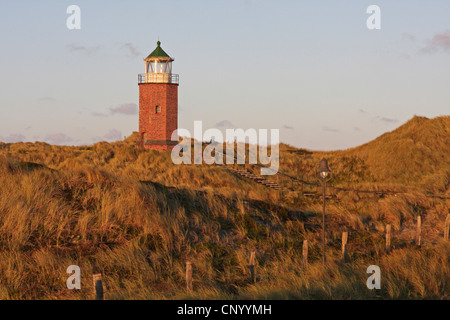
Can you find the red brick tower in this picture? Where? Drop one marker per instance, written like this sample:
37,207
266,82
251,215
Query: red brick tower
158,102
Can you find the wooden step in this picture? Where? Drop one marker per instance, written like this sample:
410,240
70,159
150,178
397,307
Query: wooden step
251,176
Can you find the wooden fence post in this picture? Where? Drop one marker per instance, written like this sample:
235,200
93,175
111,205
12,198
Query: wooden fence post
419,231
251,265
388,238
189,275
344,247
447,227
98,286
305,253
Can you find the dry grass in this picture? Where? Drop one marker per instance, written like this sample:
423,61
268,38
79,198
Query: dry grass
136,218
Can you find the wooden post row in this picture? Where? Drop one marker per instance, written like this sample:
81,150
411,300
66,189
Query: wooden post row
419,231
388,238
251,266
344,247
189,275
447,227
98,286
305,253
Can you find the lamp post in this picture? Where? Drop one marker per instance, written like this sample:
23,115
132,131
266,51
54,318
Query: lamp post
324,174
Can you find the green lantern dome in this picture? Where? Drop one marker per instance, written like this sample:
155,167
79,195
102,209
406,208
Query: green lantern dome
158,52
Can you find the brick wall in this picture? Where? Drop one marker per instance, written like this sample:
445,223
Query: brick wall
158,126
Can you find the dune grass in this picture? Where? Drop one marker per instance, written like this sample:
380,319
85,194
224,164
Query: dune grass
133,216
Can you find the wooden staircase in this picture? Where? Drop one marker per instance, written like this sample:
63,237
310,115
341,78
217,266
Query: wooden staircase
258,179
269,184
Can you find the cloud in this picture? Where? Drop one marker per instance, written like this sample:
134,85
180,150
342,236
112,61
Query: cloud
440,41
328,129
131,50
288,127
13,138
405,56
356,128
225,123
408,36
385,119
74,48
113,134
127,109
389,120
46,99
99,114
57,138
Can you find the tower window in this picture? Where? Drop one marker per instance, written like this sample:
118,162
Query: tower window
158,109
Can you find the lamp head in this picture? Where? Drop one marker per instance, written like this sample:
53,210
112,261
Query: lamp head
323,170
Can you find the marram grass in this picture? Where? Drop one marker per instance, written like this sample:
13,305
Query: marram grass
133,216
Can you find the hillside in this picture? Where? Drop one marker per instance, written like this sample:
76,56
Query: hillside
415,155
137,218
417,150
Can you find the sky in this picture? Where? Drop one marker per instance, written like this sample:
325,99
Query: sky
311,69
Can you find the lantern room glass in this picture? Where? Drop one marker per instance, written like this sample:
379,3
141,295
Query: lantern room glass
160,67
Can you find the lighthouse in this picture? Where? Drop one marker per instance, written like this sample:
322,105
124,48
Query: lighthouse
158,102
